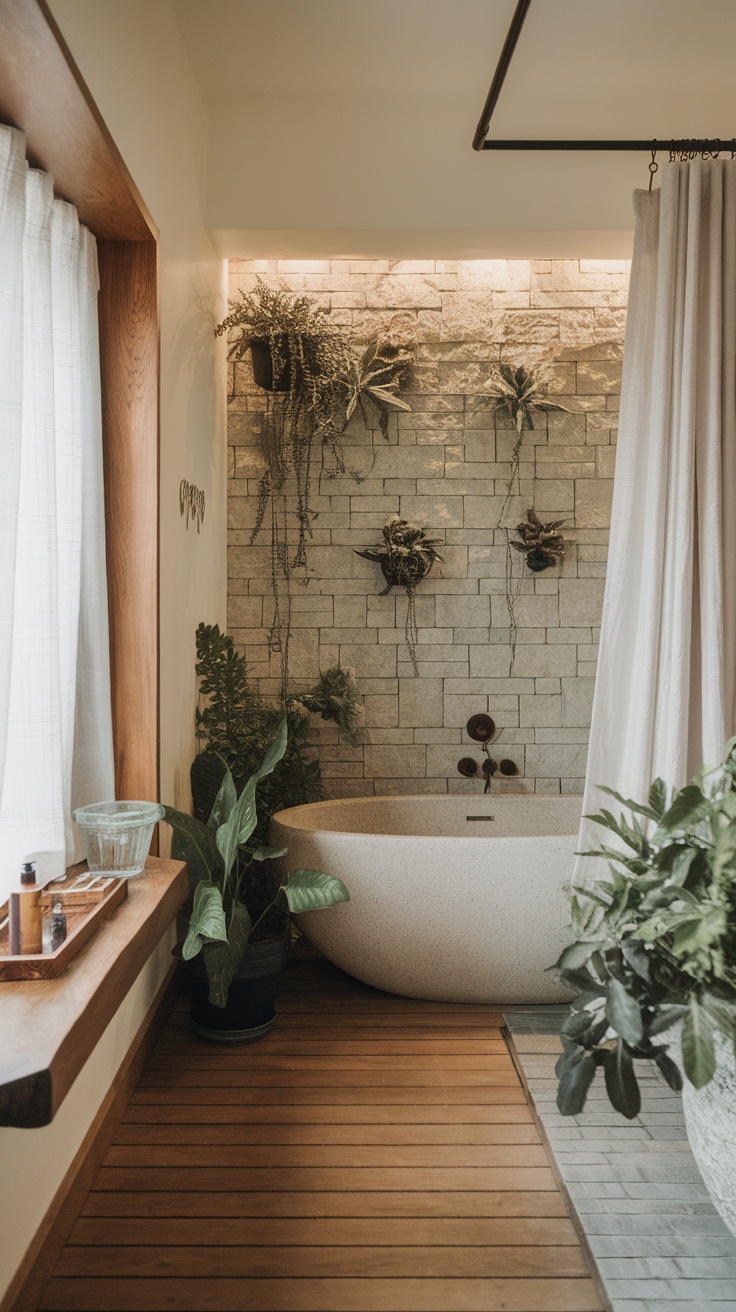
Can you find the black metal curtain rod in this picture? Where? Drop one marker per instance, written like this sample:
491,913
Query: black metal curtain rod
692,147
480,141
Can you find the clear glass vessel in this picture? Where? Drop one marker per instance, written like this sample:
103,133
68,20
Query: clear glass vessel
117,835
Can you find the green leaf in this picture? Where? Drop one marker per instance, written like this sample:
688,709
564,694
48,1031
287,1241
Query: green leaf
221,960
268,853
194,843
621,1082
224,802
658,797
575,1071
698,1049
624,1013
576,955
311,890
243,818
206,921
637,958
686,805
627,802
668,1068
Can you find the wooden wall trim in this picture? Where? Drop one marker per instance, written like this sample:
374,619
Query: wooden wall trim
129,361
27,1286
43,93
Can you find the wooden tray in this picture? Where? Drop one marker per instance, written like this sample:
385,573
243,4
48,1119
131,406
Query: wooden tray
85,910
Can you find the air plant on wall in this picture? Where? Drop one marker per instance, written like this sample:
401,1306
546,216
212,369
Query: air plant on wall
382,368
517,393
541,544
406,557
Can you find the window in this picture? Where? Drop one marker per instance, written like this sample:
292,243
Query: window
56,749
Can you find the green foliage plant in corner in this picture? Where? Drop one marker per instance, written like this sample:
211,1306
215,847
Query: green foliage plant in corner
654,961
221,921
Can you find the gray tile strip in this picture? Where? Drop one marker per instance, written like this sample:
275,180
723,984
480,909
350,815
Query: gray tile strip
656,1240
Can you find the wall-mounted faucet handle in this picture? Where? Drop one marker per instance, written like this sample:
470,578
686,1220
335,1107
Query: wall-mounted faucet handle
489,767
508,767
468,767
480,728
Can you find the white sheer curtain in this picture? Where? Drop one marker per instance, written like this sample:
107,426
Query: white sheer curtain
664,696
55,716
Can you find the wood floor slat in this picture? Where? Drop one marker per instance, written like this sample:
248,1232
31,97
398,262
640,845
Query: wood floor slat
318,1156
373,1154
193,1262
331,1178
245,1064
352,1231
252,1203
392,1076
334,1095
359,1294
326,1133
191,1112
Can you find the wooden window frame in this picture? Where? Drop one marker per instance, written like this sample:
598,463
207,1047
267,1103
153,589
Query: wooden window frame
43,94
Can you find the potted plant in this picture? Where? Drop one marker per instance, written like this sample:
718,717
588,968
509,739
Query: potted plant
238,954
654,966
314,379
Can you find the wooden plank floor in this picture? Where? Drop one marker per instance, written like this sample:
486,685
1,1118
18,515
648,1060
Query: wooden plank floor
373,1154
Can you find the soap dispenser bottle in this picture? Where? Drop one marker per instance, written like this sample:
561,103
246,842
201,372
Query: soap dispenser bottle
25,914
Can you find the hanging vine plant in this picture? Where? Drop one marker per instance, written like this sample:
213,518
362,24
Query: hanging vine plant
406,556
313,380
542,545
517,393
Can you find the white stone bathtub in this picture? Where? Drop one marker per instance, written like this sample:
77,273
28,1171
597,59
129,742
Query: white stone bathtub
458,898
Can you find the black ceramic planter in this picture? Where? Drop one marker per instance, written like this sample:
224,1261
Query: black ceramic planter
250,1009
260,350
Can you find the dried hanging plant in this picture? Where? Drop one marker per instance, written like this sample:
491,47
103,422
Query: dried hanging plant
312,387
406,557
542,545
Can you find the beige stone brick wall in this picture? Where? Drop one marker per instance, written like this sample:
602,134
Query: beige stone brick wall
446,465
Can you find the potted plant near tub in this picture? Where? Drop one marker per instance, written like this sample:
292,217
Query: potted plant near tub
236,955
654,966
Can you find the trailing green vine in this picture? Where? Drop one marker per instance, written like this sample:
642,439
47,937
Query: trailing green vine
314,382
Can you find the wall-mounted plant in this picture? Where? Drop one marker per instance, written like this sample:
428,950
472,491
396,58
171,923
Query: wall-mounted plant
406,556
313,381
335,697
542,545
517,393
382,368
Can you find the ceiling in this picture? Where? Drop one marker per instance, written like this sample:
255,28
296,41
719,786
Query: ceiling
344,127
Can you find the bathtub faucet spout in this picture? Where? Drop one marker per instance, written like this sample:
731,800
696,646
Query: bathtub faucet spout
489,769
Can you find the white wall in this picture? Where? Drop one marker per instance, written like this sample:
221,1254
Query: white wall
133,61
132,57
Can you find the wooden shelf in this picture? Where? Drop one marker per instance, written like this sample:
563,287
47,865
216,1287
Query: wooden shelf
50,1027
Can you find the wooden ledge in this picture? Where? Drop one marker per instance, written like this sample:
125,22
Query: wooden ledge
50,1027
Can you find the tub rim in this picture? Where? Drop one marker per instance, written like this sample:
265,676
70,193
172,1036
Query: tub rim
286,817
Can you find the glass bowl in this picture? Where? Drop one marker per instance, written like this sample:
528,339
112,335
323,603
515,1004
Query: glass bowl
117,835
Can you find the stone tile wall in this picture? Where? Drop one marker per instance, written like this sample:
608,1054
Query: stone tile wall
446,465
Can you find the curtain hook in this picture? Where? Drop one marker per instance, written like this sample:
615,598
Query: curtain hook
653,165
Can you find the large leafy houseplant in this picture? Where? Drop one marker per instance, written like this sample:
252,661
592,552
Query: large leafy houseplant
218,853
654,962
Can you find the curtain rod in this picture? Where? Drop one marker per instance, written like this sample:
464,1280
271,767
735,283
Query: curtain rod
694,147
480,141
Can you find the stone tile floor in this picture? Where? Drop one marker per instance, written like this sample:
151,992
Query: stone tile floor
651,1229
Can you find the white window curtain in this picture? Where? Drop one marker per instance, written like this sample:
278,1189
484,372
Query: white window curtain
664,695
55,714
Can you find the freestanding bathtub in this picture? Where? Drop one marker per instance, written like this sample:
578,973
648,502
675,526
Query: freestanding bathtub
457,898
